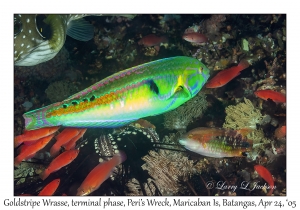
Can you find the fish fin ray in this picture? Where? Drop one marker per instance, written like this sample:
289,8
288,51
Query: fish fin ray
81,30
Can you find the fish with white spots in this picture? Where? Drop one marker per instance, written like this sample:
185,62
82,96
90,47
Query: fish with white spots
38,38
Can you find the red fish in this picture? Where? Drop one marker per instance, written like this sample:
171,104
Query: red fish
60,161
195,37
225,76
266,175
72,143
34,135
99,174
273,95
50,188
29,150
152,40
65,136
280,132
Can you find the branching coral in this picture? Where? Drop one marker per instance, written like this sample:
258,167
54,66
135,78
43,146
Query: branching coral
168,167
135,188
242,115
179,118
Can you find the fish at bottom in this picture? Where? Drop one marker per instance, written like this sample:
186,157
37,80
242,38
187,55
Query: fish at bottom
217,142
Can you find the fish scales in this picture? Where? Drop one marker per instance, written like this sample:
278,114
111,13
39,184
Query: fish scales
217,142
145,90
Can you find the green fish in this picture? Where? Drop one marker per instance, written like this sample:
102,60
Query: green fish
38,38
145,90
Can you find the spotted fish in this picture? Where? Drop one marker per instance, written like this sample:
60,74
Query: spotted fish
145,90
38,38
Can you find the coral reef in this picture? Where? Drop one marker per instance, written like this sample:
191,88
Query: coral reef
134,187
179,118
242,115
168,167
60,90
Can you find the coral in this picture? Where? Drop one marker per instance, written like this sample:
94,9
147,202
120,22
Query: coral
168,167
26,172
213,24
179,118
135,188
243,115
258,136
60,90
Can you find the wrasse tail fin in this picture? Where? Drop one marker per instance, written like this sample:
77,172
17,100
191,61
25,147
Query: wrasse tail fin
80,30
36,119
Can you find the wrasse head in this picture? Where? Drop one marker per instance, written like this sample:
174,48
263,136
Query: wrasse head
194,77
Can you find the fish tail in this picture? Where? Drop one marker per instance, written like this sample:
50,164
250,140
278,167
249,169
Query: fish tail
121,157
17,141
17,161
54,150
243,64
271,190
37,119
44,174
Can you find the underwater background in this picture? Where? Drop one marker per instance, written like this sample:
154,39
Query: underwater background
156,163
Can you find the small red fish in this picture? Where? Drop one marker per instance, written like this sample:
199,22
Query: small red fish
60,161
152,40
195,37
225,76
99,174
72,143
50,188
273,95
280,132
266,175
65,136
34,135
30,150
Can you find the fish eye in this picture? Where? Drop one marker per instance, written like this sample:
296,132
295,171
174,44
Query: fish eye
17,25
42,27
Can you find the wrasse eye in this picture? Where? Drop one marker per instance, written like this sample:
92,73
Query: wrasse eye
42,27
17,25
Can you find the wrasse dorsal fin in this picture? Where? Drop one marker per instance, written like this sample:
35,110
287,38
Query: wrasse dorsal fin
81,30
